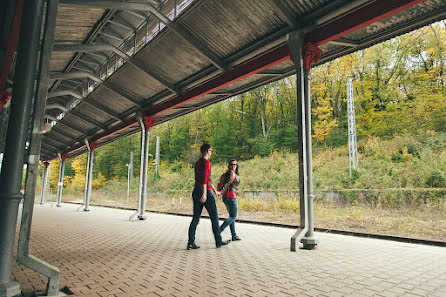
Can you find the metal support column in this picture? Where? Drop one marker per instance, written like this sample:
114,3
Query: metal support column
12,165
88,176
44,181
87,171
309,241
157,157
352,141
305,233
23,255
128,182
62,159
146,123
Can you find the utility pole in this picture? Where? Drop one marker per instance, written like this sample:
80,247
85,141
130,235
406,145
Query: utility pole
128,180
352,141
130,173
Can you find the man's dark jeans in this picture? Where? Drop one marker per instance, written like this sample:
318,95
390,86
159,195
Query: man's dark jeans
231,205
211,207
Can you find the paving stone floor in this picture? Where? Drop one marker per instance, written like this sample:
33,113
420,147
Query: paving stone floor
101,253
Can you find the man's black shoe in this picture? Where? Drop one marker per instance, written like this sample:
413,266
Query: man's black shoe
235,238
223,243
192,246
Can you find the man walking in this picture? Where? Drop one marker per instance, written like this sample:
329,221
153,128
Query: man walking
202,196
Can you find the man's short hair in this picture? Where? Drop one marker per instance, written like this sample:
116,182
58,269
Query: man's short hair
204,148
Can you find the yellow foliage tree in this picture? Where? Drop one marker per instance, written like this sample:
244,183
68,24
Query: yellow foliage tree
323,111
54,174
79,166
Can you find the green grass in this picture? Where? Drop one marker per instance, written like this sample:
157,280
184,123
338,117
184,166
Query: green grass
399,188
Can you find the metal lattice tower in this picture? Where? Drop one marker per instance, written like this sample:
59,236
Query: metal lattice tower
352,142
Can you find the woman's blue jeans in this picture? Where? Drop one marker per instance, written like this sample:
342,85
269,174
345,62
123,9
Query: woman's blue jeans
211,207
231,205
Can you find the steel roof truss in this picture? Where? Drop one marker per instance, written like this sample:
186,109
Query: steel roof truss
87,65
46,152
156,77
99,55
106,47
105,84
64,93
114,32
90,60
112,87
137,14
88,120
90,38
103,109
70,83
71,126
62,132
127,23
189,38
55,139
177,28
74,75
44,148
78,67
124,26
112,36
50,145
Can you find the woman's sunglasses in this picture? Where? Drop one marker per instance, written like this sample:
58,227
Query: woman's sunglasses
233,164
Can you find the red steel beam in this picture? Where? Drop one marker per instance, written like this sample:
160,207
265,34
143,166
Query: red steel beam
9,55
254,66
369,14
358,19
260,63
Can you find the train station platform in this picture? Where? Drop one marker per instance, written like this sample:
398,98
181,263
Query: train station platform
101,253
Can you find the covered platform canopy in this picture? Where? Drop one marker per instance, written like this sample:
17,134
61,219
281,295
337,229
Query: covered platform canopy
168,58
110,68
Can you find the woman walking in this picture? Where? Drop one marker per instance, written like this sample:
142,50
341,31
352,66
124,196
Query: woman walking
229,191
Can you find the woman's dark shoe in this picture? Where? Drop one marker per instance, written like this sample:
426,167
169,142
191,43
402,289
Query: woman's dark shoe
235,238
192,246
219,244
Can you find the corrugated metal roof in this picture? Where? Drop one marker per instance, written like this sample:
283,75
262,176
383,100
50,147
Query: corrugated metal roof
201,57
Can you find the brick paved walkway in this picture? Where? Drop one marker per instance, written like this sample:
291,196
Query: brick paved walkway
101,253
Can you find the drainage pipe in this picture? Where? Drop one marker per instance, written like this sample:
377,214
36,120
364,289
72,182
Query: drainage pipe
309,241
295,42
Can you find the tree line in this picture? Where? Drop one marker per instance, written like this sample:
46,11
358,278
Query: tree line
398,87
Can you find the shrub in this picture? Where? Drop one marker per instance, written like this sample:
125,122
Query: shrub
99,182
436,180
